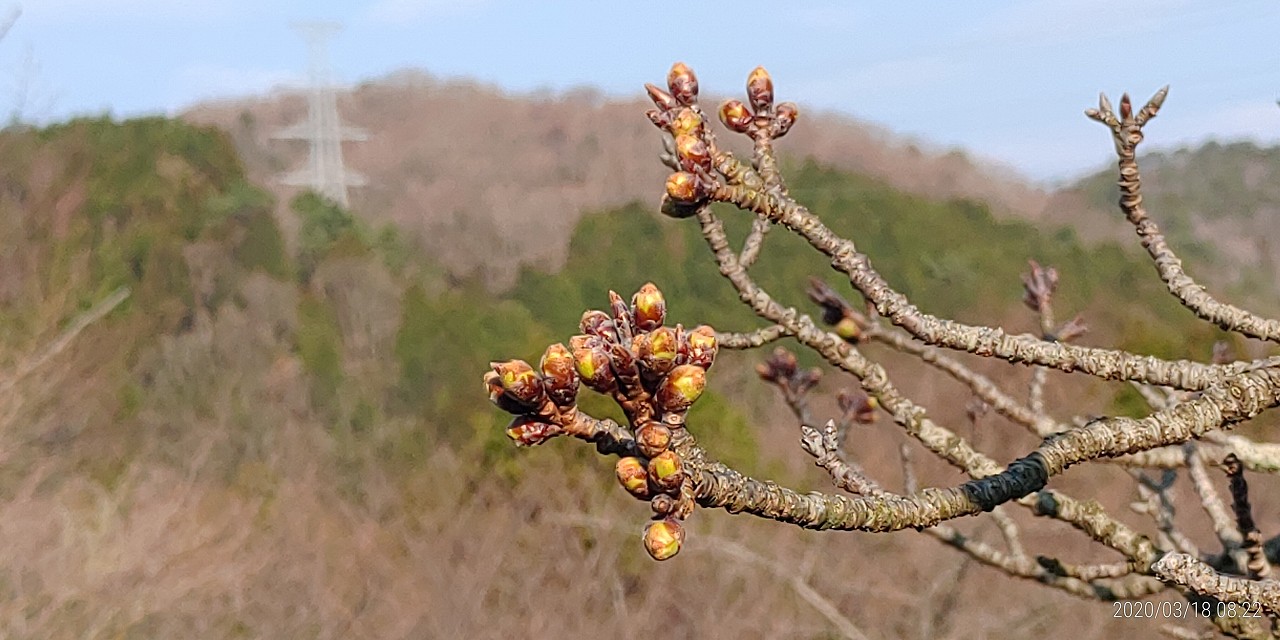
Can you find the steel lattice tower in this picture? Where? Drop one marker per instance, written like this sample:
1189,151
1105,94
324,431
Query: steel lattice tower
323,130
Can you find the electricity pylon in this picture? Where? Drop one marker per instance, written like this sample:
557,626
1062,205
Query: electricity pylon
323,130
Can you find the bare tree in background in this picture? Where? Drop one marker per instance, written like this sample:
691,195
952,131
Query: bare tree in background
656,372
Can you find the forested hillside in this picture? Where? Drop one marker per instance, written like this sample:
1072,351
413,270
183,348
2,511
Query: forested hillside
281,432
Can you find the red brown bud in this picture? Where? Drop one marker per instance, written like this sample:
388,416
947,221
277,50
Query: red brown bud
621,316
735,116
519,381
683,83
633,476
663,539
666,471
760,90
598,323
784,117
692,153
662,504
653,438
682,387
527,431
683,187
559,376
660,98
649,307
702,346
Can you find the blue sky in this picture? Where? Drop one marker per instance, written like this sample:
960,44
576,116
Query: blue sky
1006,81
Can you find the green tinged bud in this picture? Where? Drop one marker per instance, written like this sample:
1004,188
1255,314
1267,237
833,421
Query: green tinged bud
633,476
559,375
658,352
519,381
662,539
682,387
649,307
686,123
848,329
666,471
592,364
498,396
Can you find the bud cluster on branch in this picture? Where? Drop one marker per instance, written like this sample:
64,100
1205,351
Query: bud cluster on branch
656,372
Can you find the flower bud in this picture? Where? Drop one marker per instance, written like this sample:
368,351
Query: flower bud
662,504
848,329
653,438
519,381
682,83
693,153
621,316
780,366
559,376
735,116
661,99
527,431
682,387
592,363
686,123
662,539
683,187
658,352
649,307
760,90
625,368
598,323
499,397
666,471
702,346
784,117
633,476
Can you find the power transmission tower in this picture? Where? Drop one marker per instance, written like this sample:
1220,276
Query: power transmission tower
325,174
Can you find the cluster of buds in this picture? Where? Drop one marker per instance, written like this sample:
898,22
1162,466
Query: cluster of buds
543,401
1038,286
849,323
782,369
857,406
761,118
689,149
653,371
